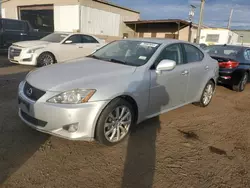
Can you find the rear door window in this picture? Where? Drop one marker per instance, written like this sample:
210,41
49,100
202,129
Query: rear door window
193,54
88,39
247,55
14,25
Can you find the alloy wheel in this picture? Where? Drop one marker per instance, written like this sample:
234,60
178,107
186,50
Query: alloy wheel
117,124
208,94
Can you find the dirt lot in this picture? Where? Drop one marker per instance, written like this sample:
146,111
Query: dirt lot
188,147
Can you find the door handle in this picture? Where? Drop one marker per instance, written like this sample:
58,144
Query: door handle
185,72
79,47
22,34
207,67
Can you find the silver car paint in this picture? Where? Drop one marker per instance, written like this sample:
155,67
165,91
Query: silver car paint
153,93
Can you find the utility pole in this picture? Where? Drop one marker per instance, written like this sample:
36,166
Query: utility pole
230,19
191,12
191,16
200,21
0,8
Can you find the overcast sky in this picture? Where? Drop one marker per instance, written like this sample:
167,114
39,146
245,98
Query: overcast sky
216,11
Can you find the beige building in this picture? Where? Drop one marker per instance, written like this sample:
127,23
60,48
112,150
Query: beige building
171,28
96,17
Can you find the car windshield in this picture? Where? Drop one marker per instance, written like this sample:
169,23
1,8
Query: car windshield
223,51
128,52
55,37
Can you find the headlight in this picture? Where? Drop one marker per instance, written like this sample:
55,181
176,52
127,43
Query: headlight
75,96
31,51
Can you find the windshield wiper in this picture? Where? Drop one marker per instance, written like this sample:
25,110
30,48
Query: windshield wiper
118,61
93,56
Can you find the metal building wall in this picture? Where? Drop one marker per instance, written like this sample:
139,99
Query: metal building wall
66,18
99,22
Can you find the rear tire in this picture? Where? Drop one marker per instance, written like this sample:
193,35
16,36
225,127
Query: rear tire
207,94
45,59
113,126
242,84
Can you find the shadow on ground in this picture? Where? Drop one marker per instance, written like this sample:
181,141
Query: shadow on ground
4,62
139,167
17,141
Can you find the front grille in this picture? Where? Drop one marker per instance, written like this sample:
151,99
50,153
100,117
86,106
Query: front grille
32,120
32,92
14,52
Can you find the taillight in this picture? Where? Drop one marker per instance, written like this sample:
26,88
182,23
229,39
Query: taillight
229,64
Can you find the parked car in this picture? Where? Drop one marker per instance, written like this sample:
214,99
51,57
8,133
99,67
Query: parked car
203,46
234,63
53,48
12,31
123,83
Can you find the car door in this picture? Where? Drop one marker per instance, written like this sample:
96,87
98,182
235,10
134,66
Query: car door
89,45
198,71
168,89
70,48
13,31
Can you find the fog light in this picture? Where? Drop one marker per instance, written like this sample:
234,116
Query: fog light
71,128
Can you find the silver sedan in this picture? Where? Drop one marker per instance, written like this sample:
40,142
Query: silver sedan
121,84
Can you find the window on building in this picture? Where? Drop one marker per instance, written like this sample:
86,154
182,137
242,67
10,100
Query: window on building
212,38
229,39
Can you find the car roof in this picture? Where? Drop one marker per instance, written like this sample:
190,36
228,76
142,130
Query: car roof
225,45
157,40
71,33
13,19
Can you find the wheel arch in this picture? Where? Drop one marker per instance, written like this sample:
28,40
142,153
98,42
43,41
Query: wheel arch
126,97
49,52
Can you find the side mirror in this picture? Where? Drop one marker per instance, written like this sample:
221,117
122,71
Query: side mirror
165,65
68,41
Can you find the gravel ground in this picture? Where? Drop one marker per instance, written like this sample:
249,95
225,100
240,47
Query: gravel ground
190,147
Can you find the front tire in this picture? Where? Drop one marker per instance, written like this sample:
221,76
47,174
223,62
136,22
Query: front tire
115,122
45,59
207,94
242,84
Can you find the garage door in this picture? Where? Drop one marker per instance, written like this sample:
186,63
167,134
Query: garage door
99,22
40,16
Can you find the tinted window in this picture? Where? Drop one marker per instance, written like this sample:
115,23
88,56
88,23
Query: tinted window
224,51
88,39
247,55
13,25
193,54
172,52
75,39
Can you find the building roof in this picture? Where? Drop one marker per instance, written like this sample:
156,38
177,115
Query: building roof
115,5
158,21
184,22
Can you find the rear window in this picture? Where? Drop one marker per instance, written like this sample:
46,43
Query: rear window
223,51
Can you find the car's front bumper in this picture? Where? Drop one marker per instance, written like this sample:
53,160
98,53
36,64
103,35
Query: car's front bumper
22,58
54,117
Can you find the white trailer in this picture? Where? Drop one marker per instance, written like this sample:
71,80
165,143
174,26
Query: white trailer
211,36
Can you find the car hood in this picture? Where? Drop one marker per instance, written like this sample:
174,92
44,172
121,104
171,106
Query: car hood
32,43
81,73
